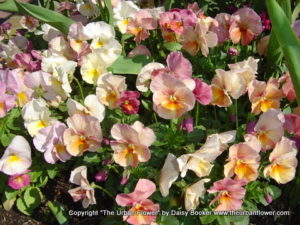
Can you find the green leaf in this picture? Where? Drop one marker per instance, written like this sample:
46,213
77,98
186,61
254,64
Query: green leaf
6,139
130,65
207,219
59,212
244,221
50,17
274,191
34,175
288,41
167,220
10,193
223,220
52,172
296,13
173,46
110,12
3,182
32,197
91,158
22,207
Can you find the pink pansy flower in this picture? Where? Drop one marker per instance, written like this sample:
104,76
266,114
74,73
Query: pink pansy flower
173,22
245,26
222,27
129,102
269,128
139,203
19,181
243,161
17,157
7,102
230,194
288,87
264,96
177,66
187,124
131,144
141,25
78,40
84,134
283,162
85,191
25,61
199,38
139,50
171,97
292,124
202,92
50,141
15,85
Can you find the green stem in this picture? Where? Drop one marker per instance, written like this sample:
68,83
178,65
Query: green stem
80,89
236,115
93,185
197,113
155,118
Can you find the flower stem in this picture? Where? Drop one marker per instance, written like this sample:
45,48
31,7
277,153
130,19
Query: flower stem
80,89
93,185
236,115
197,113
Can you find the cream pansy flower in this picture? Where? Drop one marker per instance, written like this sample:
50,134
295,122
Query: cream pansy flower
91,107
92,68
87,8
36,116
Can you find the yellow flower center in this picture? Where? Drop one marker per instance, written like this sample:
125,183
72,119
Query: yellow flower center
13,158
100,44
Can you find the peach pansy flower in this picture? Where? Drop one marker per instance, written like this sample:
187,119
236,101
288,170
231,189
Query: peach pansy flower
283,162
243,162
269,128
109,89
132,143
264,96
230,194
142,209
171,97
84,134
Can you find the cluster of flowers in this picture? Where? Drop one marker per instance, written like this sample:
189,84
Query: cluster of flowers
37,80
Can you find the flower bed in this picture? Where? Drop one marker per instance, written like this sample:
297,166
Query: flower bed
124,112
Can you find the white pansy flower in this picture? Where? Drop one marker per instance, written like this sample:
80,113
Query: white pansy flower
17,157
123,12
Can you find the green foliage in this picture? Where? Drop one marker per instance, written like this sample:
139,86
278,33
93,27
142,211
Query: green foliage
133,65
288,41
50,17
30,200
59,212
